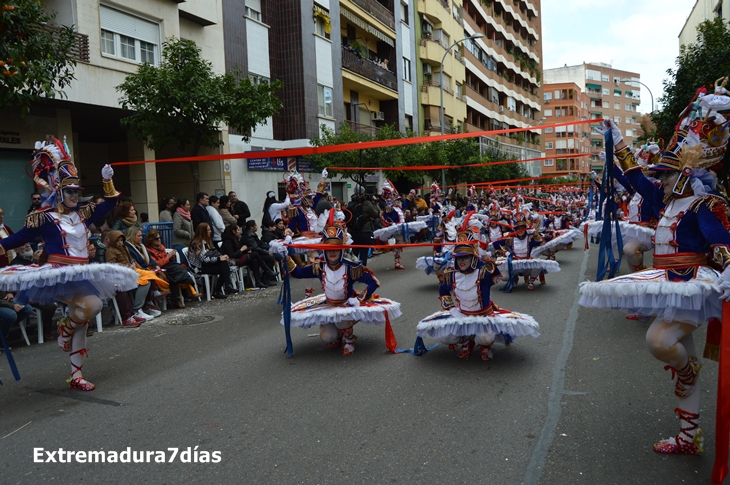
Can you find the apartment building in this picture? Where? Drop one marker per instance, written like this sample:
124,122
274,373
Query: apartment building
612,94
563,103
347,61
503,73
702,10
114,38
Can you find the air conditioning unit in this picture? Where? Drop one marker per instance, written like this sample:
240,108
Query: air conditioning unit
427,69
547,101
501,109
378,116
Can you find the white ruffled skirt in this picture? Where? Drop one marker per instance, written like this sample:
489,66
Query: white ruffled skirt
315,310
649,292
500,323
431,264
628,231
49,283
521,265
564,237
405,229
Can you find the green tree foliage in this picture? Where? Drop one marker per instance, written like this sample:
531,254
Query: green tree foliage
182,101
699,64
35,57
456,153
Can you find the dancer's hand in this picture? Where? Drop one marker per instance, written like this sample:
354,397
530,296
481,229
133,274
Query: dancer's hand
610,126
324,173
107,172
353,302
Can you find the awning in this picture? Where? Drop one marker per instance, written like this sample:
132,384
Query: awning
366,26
594,86
616,91
596,113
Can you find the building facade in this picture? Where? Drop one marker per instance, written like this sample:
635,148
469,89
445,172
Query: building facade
702,10
113,39
611,94
563,103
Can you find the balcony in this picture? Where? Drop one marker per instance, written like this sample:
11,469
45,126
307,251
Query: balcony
79,49
368,69
363,129
378,11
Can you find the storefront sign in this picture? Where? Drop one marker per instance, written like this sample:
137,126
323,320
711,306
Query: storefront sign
280,164
10,137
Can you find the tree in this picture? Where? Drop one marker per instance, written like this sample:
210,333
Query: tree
182,101
698,64
457,153
36,61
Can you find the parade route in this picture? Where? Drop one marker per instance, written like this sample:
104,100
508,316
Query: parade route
583,403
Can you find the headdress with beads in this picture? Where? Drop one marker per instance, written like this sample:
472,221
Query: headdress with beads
53,171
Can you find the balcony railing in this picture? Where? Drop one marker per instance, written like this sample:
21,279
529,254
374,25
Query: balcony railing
378,11
445,4
369,69
436,84
364,129
80,48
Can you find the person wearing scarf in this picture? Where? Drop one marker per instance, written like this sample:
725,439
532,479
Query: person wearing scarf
125,216
176,274
182,227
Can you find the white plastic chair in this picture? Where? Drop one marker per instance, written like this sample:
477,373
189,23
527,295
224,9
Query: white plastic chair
206,278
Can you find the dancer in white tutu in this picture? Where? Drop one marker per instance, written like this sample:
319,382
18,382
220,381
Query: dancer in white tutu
470,317
394,222
682,291
65,275
341,307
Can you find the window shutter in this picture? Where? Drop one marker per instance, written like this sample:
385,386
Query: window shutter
129,25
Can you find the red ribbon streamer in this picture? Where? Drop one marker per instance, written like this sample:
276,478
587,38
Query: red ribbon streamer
294,152
439,167
722,419
337,247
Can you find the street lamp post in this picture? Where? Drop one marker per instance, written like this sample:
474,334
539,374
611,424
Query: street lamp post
441,89
647,88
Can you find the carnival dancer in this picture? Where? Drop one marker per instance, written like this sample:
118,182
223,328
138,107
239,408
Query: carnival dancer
302,218
394,223
65,275
517,253
469,316
341,306
681,290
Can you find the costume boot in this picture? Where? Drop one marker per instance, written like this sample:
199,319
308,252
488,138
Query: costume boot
348,341
396,256
308,292
542,279
531,283
66,329
466,348
689,439
485,352
687,377
77,357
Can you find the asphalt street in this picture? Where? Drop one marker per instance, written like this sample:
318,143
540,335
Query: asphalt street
581,404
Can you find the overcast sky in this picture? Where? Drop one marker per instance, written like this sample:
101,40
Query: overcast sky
638,36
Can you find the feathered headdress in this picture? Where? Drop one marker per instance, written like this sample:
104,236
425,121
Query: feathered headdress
53,171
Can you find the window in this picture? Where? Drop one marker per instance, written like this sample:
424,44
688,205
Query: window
605,91
548,112
628,107
319,27
548,96
442,36
616,80
128,37
404,13
253,14
511,103
548,145
557,94
458,90
560,144
324,102
616,105
256,79
406,69
107,42
629,121
548,163
548,130
604,78
617,120
629,132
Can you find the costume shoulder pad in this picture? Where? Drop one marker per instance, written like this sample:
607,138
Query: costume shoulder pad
711,201
37,218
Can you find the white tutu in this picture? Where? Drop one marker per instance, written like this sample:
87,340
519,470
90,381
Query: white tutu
563,238
628,231
316,310
502,322
431,264
405,229
49,283
648,292
520,265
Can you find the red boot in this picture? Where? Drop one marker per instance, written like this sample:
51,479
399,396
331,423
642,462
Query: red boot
689,444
